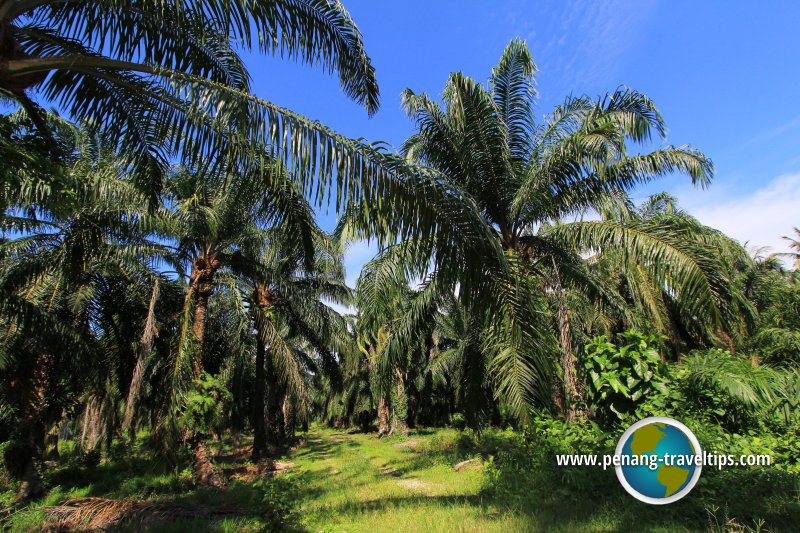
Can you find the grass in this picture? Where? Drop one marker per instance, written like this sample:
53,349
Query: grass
357,483
354,482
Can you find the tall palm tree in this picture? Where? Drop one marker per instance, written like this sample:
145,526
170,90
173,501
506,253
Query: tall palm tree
217,219
382,293
463,358
775,293
658,299
520,174
213,216
287,284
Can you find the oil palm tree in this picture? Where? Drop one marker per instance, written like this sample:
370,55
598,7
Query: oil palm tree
794,244
657,299
382,291
520,174
212,216
168,75
775,293
223,223
296,268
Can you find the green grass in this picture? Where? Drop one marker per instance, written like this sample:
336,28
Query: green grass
355,482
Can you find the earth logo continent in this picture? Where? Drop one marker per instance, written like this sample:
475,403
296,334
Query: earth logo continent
658,460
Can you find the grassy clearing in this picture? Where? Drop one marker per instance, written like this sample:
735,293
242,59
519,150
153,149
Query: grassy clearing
355,482
430,481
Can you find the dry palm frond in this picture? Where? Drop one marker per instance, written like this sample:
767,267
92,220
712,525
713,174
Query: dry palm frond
102,514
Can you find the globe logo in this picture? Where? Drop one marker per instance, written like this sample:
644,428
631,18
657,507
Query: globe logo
658,460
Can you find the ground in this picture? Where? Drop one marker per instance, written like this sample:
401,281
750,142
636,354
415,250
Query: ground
345,481
355,482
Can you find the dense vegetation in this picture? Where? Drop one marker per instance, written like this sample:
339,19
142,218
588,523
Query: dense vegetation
167,321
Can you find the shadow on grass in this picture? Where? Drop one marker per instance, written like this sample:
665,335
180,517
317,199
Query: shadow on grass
554,498
264,505
527,484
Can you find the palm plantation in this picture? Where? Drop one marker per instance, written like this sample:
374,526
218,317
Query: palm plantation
179,347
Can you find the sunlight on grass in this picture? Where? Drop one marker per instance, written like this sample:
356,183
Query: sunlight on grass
356,482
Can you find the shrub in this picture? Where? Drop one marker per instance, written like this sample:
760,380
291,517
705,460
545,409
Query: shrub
458,421
279,495
627,381
205,404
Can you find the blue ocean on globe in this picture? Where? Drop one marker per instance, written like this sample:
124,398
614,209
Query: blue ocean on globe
664,481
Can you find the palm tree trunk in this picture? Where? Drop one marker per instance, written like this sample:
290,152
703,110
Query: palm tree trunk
259,419
288,418
399,421
383,417
202,283
198,330
24,461
274,418
95,423
51,442
145,347
31,486
383,400
205,472
573,388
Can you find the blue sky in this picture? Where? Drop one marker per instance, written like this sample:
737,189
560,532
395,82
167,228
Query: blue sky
724,74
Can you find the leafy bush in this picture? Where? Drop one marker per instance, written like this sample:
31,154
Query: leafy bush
205,404
620,378
734,392
279,497
458,421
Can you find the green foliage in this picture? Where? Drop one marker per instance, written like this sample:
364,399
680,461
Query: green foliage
623,379
279,497
94,215
399,403
205,404
13,454
526,477
458,421
734,391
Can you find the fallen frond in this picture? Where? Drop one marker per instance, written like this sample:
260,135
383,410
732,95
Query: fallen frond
101,514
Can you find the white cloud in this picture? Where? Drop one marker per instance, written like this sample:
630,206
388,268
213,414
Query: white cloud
759,218
579,42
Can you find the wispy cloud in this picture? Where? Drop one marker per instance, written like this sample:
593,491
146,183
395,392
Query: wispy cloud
760,218
578,43
766,136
